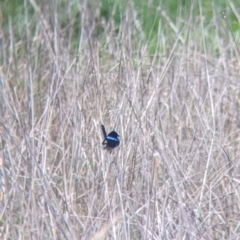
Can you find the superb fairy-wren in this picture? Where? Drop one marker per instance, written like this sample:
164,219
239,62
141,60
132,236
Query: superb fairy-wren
111,140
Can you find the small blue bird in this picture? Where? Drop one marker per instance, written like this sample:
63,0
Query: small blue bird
111,140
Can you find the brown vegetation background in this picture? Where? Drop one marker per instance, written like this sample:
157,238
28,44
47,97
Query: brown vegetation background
174,100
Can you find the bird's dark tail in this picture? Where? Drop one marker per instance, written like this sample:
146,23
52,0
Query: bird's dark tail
104,132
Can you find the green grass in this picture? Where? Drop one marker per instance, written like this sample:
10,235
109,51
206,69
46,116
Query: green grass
154,17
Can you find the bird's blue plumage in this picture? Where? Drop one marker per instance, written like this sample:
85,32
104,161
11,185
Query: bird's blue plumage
111,140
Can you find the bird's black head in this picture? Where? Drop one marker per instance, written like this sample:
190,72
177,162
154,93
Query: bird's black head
113,134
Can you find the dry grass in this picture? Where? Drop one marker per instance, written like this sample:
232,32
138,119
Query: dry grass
176,172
